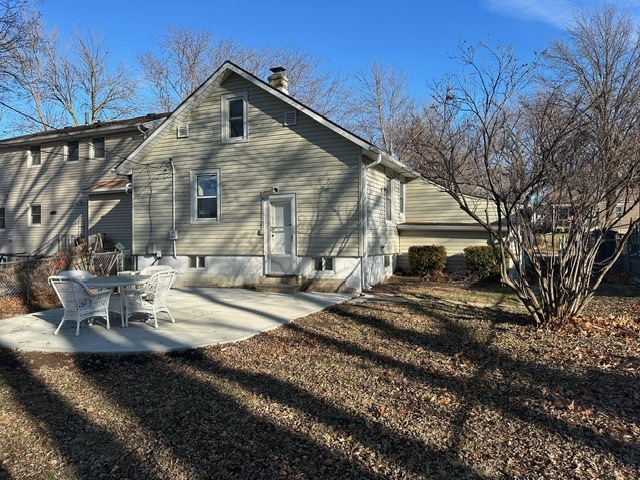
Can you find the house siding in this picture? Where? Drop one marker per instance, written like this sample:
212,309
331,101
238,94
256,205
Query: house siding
382,234
427,202
308,160
383,243
434,218
56,185
111,214
455,241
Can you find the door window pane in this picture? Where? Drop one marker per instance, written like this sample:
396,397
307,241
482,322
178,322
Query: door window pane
281,229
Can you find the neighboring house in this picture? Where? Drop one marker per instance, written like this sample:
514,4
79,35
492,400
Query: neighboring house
434,218
559,215
58,185
242,184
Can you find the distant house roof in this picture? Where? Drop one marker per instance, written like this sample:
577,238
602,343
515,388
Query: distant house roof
218,77
102,127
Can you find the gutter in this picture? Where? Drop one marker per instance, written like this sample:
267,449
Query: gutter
61,134
174,235
440,227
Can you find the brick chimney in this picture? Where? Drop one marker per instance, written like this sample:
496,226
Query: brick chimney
279,80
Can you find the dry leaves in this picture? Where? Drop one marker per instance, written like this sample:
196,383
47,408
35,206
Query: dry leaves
415,389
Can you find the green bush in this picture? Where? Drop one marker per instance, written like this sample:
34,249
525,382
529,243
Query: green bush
427,259
481,260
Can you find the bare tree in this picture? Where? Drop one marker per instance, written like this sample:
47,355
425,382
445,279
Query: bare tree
185,58
572,144
310,82
15,24
106,92
383,108
29,64
63,81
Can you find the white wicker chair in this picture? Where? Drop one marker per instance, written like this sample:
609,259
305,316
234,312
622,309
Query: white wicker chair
79,274
150,299
151,269
79,302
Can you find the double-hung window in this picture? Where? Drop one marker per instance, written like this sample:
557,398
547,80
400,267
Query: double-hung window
35,215
205,196
35,156
234,117
72,151
97,150
403,195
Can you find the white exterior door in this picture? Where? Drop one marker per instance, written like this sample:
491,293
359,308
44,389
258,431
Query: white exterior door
280,244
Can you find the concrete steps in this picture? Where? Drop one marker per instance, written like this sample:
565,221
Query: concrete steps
279,284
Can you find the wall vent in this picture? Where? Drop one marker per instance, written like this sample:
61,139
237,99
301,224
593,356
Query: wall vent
290,117
182,130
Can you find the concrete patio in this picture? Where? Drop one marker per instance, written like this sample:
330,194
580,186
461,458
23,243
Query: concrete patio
204,316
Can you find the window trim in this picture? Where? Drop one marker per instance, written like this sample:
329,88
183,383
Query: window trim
194,174
92,149
66,151
402,207
30,156
30,215
225,119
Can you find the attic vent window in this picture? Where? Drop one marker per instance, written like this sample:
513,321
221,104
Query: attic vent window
183,130
290,117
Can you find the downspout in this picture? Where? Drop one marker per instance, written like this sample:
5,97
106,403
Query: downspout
173,205
365,221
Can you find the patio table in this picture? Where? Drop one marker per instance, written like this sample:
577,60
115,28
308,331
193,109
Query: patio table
118,282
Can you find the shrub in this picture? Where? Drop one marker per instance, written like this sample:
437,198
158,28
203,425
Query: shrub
427,259
481,260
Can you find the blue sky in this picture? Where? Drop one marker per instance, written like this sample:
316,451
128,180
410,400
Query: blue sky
415,36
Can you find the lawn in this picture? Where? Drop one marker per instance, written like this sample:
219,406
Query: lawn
425,381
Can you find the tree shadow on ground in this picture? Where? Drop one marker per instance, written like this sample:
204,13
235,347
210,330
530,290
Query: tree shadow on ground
86,447
236,443
200,416
504,390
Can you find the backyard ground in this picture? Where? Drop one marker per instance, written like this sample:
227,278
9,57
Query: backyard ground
429,380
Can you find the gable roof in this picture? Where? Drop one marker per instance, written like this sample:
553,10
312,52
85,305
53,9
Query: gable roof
82,130
215,80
